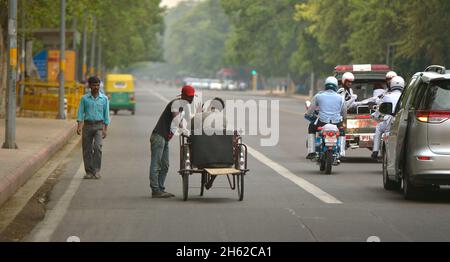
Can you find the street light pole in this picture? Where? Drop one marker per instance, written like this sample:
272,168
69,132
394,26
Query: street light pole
74,46
62,60
22,55
99,58
84,58
92,61
10,126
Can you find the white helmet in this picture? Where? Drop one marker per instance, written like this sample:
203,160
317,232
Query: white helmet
397,83
347,76
390,75
331,83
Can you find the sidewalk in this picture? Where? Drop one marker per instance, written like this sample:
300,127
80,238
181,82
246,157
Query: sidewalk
38,140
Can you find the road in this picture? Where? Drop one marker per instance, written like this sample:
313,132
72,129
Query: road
286,197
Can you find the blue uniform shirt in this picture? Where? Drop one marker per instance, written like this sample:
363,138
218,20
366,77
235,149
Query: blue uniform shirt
94,109
331,107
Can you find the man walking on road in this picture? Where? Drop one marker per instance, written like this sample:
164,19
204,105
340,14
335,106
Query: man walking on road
159,140
93,121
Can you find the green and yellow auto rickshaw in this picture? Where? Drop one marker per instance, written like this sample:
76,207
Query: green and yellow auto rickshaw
120,90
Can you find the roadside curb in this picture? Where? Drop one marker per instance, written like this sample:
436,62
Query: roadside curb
12,182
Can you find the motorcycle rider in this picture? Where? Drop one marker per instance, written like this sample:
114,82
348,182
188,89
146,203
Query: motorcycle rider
327,107
346,90
396,88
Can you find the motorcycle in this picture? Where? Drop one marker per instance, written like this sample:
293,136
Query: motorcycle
327,144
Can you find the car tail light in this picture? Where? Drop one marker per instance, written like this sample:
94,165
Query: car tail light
424,158
432,117
330,133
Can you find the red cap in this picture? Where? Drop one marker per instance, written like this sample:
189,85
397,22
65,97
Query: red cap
188,90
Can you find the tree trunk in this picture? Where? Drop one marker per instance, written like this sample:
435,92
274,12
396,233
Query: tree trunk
3,72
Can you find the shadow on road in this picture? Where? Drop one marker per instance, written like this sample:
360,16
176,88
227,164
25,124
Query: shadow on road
359,160
429,196
210,200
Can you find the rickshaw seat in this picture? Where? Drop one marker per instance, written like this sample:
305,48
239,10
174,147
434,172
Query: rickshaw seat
222,171
212,151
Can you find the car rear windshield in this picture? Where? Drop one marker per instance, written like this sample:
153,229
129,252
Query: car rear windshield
365,89
437,96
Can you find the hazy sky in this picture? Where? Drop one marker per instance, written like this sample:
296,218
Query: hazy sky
170,3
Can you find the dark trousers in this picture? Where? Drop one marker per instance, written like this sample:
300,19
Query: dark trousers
92,147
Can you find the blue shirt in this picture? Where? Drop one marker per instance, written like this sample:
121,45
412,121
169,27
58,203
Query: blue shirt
331,106
94,109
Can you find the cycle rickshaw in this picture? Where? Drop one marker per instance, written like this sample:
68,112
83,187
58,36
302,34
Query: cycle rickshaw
213,155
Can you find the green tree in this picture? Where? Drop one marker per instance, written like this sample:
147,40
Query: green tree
424,37
263,36
195,37
130,31
373,26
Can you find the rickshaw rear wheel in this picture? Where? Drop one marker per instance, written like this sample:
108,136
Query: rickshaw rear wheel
115,111
185,185
240,186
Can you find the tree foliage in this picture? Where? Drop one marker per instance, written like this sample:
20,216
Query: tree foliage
364,30
196,36
129,31
315,35
264,35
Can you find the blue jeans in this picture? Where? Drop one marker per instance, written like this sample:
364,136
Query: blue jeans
159,164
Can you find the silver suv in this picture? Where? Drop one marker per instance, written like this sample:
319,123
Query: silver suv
416,150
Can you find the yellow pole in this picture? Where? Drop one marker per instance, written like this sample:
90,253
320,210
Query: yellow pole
254,81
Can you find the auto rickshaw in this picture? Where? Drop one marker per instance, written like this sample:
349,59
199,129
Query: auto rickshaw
120,90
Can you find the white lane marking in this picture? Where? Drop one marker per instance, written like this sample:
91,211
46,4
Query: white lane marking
284,172
55,216
305,185
160,96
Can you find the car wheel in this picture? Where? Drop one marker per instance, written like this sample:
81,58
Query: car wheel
388,183
410,191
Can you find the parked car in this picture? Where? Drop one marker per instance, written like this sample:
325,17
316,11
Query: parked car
230,85
416,150
215,85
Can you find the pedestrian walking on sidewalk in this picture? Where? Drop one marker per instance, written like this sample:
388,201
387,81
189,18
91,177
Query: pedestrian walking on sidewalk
93,121
159,140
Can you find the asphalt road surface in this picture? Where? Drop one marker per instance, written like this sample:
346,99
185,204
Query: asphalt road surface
286,197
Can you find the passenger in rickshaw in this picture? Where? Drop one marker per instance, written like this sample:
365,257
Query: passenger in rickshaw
211,120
